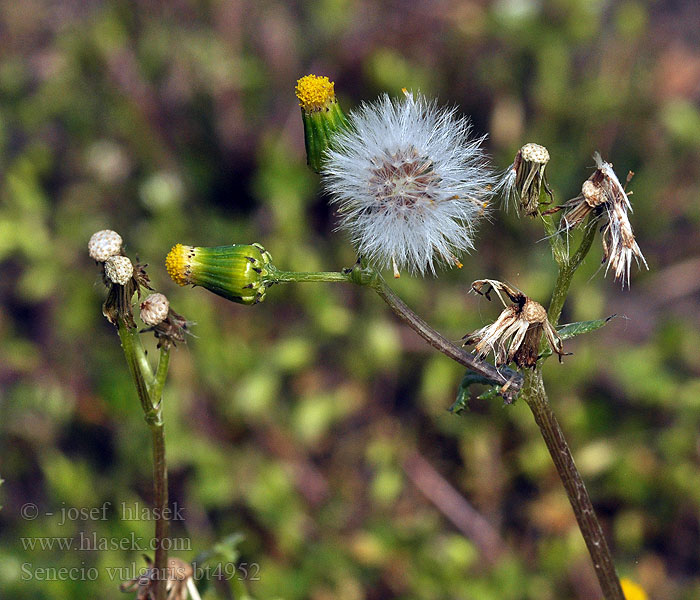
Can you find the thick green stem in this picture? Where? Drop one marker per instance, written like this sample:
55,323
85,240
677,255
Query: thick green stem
555,240
160,376
160,474
295,277
536,397
160,500
138,365
149,389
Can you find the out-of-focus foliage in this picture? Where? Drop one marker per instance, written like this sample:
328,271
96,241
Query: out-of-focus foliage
296,423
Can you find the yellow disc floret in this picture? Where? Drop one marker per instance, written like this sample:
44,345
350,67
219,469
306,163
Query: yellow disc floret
314,92
177,263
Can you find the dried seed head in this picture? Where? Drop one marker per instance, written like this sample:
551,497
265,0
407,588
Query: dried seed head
154,309
516,334
593,193
524,180
104,244
410,183
119,269
535,153
603,196
534,312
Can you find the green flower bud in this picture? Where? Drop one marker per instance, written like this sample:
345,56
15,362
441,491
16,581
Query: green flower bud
236,272
321,114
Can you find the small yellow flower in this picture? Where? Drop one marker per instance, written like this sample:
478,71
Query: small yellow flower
321,115
633,591
235,272
314,92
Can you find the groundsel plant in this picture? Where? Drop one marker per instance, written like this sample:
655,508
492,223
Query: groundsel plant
410,184
163,579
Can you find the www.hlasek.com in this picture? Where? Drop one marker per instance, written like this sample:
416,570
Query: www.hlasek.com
87,542
227,571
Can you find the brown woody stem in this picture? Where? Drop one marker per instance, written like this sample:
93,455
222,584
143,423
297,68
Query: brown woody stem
510,381
536,397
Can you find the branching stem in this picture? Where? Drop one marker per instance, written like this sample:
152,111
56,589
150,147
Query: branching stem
509,381
536,397
533,390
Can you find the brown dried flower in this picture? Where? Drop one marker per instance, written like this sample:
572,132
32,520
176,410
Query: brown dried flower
516,334
168,326
603,195
154,309
524,179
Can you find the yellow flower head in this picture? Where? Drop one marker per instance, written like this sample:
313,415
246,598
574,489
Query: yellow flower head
314,92
177,263
237,272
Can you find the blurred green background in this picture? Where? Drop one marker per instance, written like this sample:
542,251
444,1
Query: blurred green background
314,424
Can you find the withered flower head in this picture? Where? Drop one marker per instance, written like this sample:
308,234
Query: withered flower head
119,269
122,277
179,585
168,326
154,309
523,181
619,245
603,195
516,334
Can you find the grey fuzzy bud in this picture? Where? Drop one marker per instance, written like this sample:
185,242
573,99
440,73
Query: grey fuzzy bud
119,269
104,244
154,309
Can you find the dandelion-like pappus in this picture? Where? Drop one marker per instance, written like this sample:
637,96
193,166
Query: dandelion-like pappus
604,196
409,182
516,334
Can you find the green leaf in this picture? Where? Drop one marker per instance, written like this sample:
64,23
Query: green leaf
491,394
470,378
573,329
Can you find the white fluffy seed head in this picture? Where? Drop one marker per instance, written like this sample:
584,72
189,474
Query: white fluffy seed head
154,309
409,183
104,244
119,269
